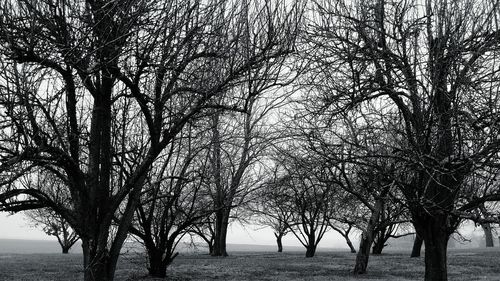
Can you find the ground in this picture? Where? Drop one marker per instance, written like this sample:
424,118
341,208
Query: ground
464,265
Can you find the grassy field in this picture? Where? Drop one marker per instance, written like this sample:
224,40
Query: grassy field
464,265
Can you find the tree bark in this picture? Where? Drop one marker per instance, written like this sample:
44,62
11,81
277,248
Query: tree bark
367,237
310,251
98,264
210,248
488,235
311,244
363,252
279,242
221,225
378,246
417,246
435,235
222,210
379,241
157,265
349,243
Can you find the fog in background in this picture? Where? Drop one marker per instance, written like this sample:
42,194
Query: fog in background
240,238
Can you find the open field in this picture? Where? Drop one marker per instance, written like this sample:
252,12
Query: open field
469,265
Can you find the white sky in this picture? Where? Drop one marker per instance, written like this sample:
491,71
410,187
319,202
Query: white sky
17,227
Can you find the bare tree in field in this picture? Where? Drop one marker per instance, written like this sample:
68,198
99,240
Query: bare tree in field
436,62
238,143
309,197
50,222
170,203
204,229
55,225
86,85
354,149
273,207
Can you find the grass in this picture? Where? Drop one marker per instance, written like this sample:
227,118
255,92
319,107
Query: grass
464,265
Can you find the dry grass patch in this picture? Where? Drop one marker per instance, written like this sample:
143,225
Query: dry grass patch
465,265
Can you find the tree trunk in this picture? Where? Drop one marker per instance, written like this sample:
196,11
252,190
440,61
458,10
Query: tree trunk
311,244
65,250
488,235
279,242
435,236
367,237
310,251
210,248
98,265
363,252
379,241
345,234
157,266
349,243
378,246
417,246
221,225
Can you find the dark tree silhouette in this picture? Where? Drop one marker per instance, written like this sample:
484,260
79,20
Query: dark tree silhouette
435,62
87,85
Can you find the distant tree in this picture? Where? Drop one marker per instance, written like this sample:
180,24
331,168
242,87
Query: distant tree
50,222
486,214
355,151
238,144
309,194
169,204
344,228
347,216
204,230
273,208
55,225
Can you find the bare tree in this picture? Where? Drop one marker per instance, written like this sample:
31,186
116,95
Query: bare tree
239,142
377,186
169,205
481,183
435,61
55,225
347,216
355,150
50,222
273,208
85,84
309,197
204,230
